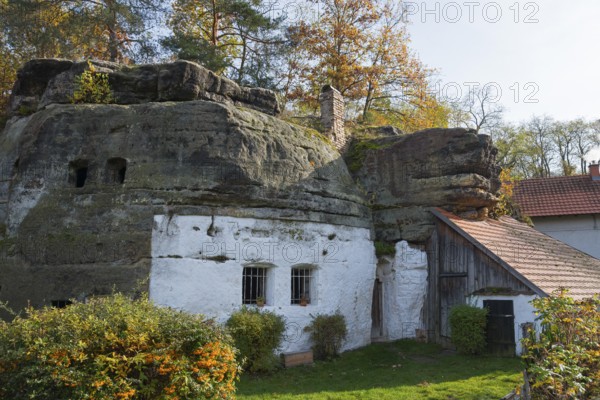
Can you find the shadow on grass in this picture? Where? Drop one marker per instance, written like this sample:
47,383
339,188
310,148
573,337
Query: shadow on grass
383,369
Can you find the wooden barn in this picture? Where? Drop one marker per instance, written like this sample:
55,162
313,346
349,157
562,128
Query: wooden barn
502,265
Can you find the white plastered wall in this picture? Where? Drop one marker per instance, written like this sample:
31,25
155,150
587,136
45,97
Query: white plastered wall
579,231
186,273
404,279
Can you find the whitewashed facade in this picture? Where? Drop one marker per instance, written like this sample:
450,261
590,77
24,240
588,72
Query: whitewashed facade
198,264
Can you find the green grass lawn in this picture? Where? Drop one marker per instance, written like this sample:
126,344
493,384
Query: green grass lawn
399,370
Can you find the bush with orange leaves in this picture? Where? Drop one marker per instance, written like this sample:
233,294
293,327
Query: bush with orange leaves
115,348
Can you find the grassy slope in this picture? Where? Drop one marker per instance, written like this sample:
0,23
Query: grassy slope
400,370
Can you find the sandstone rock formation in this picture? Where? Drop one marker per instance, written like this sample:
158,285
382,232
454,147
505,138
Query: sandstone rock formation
80,184
46,81
403,176
181,158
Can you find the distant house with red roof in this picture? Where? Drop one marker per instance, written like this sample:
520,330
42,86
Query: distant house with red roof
566,208
502,265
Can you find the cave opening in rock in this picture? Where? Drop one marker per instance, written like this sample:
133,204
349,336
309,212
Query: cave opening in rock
115,170
61,303
78,173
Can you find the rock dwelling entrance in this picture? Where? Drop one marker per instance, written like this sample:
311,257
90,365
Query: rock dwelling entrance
377,310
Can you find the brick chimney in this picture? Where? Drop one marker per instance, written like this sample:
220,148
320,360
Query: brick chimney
332,116
595,170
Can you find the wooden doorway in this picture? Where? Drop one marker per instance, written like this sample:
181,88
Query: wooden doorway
500,329
377,310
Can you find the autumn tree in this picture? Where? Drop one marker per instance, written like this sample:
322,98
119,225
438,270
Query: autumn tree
361,48
114,30
27,30
514,150
8,71
122,27
233,37
506,204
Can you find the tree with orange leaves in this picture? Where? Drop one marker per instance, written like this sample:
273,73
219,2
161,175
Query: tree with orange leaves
361,48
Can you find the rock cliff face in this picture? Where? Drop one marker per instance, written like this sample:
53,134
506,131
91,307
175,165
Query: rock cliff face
134,161
80,184
48,81
403,176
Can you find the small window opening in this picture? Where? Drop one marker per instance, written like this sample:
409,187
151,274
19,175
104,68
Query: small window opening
78,173
61,303
115,170
301,285
254,284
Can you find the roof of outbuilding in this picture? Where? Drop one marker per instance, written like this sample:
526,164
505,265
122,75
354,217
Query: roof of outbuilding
543,263
565,195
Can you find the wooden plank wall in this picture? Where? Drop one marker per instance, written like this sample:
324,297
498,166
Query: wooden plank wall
457,269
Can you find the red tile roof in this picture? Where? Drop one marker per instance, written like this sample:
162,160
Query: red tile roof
541,262
566,195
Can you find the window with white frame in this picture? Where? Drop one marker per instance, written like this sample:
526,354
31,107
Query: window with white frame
254,284
302,284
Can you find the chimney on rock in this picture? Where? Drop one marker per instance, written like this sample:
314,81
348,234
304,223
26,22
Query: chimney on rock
332,116
595,170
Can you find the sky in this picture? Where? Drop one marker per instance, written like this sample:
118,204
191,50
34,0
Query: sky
544,55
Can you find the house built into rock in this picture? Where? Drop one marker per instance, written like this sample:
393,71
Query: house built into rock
191,188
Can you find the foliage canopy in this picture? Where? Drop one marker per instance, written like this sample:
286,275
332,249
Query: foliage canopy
564,361
115,348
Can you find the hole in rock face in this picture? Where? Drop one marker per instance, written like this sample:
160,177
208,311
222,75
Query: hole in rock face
115,170
78,173
61,303
81,176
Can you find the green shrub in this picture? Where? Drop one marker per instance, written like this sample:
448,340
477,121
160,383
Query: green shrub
327,333
385,249
115,348
92,87
564,362
257,335
467,324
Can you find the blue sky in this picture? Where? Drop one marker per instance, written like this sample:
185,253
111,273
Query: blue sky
544,55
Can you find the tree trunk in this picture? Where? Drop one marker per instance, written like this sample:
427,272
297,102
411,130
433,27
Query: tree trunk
113,46
243,59
113,39
368,101
215,24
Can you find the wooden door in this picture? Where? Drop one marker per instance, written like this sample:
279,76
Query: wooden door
500,329
377,310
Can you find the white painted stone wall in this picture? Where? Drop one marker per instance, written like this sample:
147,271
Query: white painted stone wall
579,231
184,275
404,288
524,313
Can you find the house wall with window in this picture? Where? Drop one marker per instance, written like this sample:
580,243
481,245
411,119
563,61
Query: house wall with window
215,265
